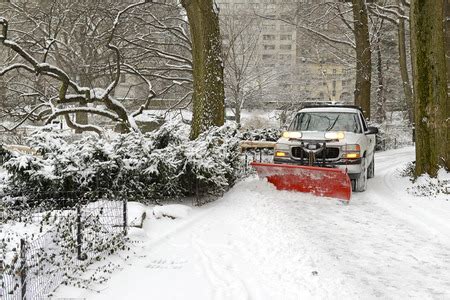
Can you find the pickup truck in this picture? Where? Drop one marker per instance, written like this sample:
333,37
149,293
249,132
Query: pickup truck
330,136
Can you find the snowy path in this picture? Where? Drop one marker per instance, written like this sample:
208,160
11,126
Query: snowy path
259,243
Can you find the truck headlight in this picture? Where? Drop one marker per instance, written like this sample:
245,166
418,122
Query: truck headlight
292,135
335,135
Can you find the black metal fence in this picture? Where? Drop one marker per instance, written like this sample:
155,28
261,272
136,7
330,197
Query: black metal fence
259,153
64,241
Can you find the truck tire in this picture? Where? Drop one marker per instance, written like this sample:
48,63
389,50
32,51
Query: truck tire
371,169
360,184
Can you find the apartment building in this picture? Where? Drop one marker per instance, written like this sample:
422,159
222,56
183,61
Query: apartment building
304,72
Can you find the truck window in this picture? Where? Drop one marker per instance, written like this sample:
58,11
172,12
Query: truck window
363,122
326,121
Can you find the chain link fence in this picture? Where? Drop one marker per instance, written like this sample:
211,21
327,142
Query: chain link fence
60,243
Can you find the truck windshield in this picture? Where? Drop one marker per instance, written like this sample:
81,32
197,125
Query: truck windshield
326,121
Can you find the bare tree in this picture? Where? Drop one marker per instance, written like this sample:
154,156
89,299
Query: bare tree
245,75
156,45
72,34
396,13
68,94
73,51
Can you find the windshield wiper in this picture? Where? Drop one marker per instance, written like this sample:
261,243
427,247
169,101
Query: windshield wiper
332,125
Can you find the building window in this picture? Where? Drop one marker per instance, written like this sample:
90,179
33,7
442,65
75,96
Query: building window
285,37
269,47
285,47
285,56
267,56
286,27
268,37
269,27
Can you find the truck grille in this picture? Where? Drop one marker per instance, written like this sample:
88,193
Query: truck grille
330,153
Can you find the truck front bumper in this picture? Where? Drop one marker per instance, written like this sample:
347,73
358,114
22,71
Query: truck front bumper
351,166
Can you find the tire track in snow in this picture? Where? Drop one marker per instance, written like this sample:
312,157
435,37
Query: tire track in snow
389,198
226,283
418,264
217,284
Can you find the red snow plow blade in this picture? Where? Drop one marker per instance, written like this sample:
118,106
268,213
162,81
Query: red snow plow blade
319,181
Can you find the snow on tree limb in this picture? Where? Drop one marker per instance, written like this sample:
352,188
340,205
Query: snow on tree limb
92,110
83,127
24,119
14,67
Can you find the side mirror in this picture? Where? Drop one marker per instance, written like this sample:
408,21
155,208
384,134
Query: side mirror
372,130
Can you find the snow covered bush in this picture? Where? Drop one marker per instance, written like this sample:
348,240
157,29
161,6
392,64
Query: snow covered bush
161,164
211,161
263,134
28,173
425,186
4,154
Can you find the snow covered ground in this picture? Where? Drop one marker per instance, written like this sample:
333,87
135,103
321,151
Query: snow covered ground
260,243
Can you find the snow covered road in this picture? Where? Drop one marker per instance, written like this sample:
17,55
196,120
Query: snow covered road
260,243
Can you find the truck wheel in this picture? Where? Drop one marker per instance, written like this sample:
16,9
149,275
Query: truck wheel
371,170
360,184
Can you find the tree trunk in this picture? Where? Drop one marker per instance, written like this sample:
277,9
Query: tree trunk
209,95
363,56
237,103
380,115
430,85
2,92
82,118
238,113
407,90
